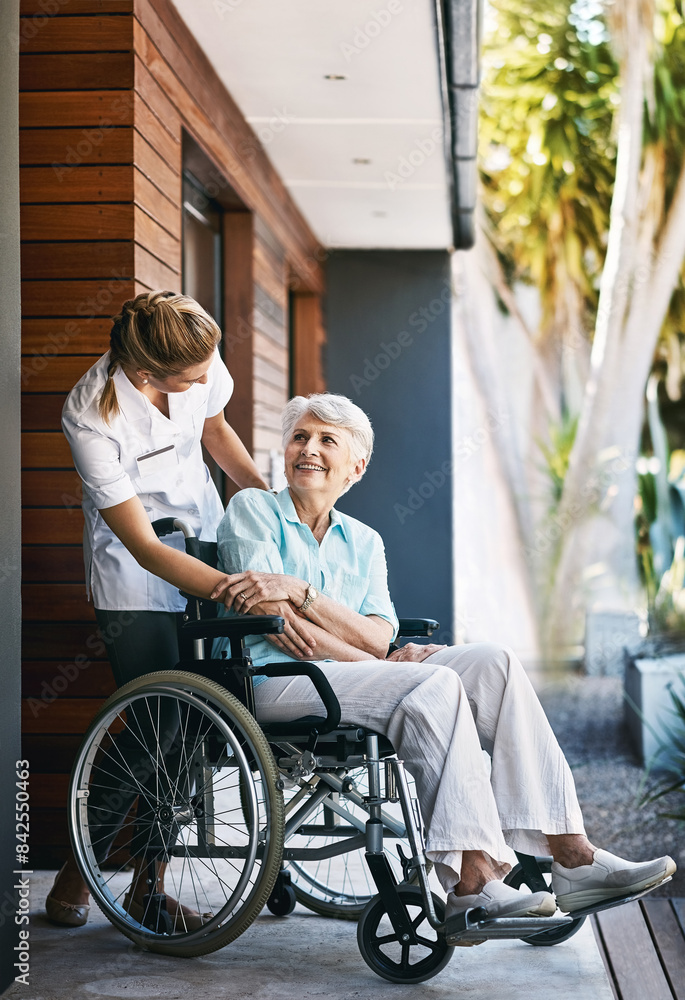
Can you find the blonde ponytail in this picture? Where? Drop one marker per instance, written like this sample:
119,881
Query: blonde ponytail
159,332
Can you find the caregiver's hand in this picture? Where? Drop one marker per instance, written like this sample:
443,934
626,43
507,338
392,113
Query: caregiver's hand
241,591
414,652
296,640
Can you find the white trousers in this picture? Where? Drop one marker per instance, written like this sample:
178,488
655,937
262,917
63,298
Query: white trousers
440,715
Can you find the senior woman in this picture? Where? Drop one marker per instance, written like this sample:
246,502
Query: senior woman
295,555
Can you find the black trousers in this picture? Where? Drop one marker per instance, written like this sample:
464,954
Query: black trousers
137,643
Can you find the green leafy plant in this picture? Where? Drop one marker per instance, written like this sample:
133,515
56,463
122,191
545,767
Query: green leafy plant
557,452
667,613
667,767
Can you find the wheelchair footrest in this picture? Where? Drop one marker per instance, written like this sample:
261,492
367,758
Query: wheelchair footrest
617,901
471,926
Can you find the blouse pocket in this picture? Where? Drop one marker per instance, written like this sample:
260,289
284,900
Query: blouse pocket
347,588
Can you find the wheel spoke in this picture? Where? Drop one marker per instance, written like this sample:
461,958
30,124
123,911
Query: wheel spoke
179,754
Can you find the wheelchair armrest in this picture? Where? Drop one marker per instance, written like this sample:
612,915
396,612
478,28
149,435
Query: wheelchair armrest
417,626
323,689
233,627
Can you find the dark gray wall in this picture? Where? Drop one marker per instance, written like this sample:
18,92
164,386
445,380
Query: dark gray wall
10,496
388,323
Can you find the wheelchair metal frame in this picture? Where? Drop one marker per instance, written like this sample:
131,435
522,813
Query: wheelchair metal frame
322,750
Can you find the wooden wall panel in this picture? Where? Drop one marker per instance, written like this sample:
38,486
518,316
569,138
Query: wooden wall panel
75,146
78,34
75,71
307,344
54,564
77,109
94,682
30,8
75,185
58,374
47,526
88,222
45,451
107,89
52,488
162,210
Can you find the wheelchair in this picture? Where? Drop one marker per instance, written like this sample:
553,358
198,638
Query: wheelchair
246,816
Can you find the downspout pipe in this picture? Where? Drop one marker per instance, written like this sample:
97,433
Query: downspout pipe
459,35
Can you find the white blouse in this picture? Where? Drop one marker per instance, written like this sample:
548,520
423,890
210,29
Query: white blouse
141,453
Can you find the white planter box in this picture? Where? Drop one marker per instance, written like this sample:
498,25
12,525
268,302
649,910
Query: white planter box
647,683
607,633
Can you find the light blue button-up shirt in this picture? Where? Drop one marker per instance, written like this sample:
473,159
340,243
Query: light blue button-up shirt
261,531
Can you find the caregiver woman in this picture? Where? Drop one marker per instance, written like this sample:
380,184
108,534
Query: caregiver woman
135,423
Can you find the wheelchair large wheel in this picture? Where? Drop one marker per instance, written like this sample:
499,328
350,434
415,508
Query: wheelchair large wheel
516,878
176,769
393,959
341,886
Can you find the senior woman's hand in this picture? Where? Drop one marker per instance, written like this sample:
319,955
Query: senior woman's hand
242,591
296,639
414,652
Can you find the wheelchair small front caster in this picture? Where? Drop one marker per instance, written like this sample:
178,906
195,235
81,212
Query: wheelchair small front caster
396,960
282,900
155,915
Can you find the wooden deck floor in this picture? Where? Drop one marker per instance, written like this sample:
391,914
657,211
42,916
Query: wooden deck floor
643,947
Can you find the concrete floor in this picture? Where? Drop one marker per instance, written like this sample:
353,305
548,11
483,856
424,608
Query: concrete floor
299,957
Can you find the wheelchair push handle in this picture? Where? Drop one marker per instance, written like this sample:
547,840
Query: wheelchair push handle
167,525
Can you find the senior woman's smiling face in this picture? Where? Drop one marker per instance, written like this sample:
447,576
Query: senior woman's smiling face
318,457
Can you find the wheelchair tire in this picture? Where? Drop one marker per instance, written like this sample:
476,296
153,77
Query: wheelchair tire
340,887
516,878
387,956
218,808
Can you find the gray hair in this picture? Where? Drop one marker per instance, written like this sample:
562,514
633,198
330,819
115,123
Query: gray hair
338,411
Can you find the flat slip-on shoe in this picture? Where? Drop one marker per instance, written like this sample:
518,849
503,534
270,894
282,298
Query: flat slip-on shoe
608,877
500,900
66,914
181,922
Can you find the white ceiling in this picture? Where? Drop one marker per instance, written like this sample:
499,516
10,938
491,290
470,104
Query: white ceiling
273,57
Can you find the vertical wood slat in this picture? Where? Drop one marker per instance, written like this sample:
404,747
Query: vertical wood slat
238,237
635,964
308,340
668,934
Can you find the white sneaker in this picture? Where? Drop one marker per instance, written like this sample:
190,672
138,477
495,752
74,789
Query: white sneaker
500,900
608,877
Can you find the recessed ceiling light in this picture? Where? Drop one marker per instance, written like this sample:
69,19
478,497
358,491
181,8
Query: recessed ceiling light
334,76
361,159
